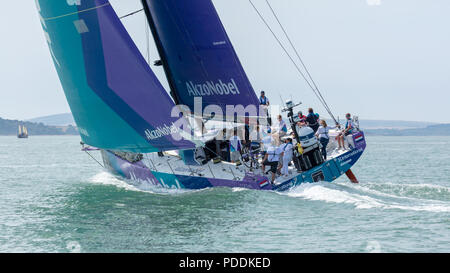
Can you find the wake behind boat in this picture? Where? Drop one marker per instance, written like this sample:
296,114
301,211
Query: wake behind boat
151,138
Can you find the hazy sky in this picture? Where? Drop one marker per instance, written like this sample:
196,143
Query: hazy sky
380,59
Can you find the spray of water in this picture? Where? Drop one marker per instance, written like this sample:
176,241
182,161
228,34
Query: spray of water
384,196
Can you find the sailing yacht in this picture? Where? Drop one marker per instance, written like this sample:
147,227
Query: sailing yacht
122,109
22,131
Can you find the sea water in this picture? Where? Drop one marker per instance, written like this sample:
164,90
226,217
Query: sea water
55,198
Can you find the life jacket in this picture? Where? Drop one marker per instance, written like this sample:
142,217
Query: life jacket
302,118
273,154
314,117
262,100
285,146
349,124
325,132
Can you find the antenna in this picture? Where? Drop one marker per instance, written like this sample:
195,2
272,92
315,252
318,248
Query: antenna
282,101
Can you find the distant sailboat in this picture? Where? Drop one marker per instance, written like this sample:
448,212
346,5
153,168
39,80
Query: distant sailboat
122,109
22,132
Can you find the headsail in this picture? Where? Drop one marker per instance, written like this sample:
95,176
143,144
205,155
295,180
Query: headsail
117,101
197,54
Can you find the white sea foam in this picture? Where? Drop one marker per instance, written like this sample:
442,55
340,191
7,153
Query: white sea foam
320,192
412,192
238,189
73,247
106,178
361,200
362,196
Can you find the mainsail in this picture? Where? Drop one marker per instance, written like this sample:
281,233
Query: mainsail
198,57
115,98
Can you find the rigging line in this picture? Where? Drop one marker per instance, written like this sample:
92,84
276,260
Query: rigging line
285,51
289,56
131,13
292,45
147,40
76,12
298,55
94,159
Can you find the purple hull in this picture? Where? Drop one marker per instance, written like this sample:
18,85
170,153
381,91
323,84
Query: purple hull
328,171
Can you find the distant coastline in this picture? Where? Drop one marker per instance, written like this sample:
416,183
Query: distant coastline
432,130
64,124
9,128
64,119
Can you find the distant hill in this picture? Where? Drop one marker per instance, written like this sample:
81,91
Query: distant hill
67,119
389,124
55,120
432,130
9,127
393,124
63,124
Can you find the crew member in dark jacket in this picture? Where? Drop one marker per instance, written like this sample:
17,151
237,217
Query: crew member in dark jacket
312,120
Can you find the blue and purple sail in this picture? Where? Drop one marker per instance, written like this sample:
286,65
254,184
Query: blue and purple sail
197,54
119,104
117,101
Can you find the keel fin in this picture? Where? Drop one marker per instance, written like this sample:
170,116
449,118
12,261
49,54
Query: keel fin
351,176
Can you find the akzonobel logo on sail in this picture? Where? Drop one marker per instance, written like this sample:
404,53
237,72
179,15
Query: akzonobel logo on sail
161,131
210,88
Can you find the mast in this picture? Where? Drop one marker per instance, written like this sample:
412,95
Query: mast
161,53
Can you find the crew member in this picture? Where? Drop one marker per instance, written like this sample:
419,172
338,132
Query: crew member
247,132
267,141
322,134
301,117
287,156
349,127
282,127
271,159
311,120
264,101
235,147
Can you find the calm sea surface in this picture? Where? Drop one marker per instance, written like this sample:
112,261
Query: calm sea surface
54,198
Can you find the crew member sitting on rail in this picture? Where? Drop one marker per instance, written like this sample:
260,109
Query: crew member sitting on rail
349,128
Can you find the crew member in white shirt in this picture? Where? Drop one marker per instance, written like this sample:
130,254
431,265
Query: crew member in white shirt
267,141
288,149
282,127
324,138
235,147
271,159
